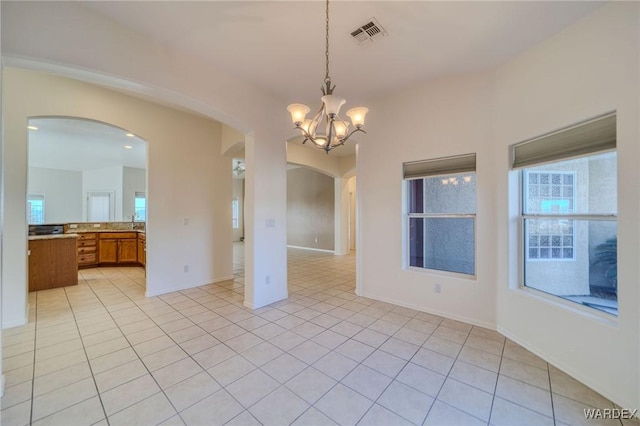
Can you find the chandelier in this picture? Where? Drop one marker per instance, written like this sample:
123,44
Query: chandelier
238,168
335,130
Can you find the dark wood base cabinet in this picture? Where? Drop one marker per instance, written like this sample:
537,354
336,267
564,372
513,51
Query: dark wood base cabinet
117,248
111,248
87,250
142,249
52,263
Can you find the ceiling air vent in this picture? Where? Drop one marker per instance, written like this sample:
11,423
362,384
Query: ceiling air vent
368,32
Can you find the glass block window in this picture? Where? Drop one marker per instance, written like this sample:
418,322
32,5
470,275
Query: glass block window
549,192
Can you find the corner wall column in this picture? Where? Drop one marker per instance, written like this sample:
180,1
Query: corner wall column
265,219
341,207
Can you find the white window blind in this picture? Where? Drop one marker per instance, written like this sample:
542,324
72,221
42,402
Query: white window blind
589,137
440,166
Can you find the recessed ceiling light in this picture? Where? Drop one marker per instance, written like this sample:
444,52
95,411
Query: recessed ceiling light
131,135
128,146
32,128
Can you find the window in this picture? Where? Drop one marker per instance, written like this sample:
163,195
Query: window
569,213
550,192
440,214
235,213
35,208
140,206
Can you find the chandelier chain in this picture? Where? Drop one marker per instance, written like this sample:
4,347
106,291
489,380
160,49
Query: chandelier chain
326,51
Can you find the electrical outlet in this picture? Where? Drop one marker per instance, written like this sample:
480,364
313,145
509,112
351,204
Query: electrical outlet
96,225
73,226
185,221
267,279
186,268
437,288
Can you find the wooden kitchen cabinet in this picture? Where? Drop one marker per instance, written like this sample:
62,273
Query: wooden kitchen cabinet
108,251
87,250
52,263
128,251
117,247
142,249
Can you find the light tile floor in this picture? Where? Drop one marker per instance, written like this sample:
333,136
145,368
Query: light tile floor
102,353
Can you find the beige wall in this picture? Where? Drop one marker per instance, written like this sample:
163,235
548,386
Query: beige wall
189,182
310,209
62,191
584,71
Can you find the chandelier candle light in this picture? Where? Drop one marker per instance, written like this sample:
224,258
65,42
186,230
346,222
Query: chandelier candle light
335,131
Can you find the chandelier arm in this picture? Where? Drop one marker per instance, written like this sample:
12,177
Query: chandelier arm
357,129
331,130
306,135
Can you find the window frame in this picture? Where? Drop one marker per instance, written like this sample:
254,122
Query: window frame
607,144
36,197
524,180
140,195
523,255
437,167
235,213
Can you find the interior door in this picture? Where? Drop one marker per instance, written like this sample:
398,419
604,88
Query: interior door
100,206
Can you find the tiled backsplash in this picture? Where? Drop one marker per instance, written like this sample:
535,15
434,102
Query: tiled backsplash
102,226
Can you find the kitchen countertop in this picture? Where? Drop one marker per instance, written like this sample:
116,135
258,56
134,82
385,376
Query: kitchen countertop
51,237
88,231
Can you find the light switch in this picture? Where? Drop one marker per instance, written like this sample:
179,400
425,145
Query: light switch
270,223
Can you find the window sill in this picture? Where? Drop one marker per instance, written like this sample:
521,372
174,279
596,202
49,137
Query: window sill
569,306
441,273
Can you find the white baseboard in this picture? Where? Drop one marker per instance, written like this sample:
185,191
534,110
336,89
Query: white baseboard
2,383
568,369
312,249
172,289
252,306
490,326
16,323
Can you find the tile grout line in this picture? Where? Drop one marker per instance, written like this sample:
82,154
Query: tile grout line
350,371
495,388
93,377
435,399
553,408
178,413
33,376
303,294
307,365
33,387
396,376
139,358
311,366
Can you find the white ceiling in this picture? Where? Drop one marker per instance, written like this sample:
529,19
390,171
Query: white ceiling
75,144
279,45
